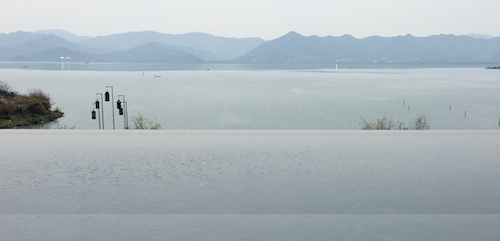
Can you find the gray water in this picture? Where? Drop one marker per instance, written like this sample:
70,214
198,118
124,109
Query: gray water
454,99
262,184
249,185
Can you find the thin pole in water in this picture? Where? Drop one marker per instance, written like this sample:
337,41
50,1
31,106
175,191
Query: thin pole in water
465,115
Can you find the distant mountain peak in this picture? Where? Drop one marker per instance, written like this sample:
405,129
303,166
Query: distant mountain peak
292,34
63,34
348,36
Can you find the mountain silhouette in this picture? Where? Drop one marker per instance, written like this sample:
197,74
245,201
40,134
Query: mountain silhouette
292,48
295,48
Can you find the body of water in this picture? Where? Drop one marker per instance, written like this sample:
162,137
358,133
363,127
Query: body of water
263,155
458,98
87,185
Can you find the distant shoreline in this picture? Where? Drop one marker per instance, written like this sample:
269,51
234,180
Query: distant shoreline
142,67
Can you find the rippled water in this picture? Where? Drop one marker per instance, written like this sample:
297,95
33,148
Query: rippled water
249,185
275,99
260,172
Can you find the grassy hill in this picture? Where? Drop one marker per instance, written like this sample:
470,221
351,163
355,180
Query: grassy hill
20,110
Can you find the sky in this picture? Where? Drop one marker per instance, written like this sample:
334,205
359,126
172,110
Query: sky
267,19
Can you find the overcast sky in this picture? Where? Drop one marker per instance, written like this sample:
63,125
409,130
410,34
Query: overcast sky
267,19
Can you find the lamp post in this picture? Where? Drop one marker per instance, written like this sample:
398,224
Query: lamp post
123,110
98,106
106,95
121,105
93,114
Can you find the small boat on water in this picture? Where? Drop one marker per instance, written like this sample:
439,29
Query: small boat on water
493,67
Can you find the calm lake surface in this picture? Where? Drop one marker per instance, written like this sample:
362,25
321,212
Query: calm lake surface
132,185
450,98
257,155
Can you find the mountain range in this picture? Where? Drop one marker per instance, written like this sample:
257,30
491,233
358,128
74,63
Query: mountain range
295,48
148,46
292,48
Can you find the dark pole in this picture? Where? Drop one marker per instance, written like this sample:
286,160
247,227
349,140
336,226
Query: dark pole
125,113
102,109
98,113
112,104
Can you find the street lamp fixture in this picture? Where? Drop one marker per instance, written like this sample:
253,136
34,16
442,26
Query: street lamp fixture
98,106
93,113
122,110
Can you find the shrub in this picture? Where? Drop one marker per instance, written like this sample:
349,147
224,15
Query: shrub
142,123
42,96
379,124
37,107
419,123
4,107
6,90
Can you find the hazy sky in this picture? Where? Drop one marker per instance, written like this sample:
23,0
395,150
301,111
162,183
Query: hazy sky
267,19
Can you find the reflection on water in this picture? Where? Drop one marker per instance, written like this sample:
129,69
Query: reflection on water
251,185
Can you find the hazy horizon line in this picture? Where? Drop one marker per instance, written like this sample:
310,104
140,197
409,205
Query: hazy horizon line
475,35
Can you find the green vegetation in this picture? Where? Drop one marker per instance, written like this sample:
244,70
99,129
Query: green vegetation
419,123
142,123
21,110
